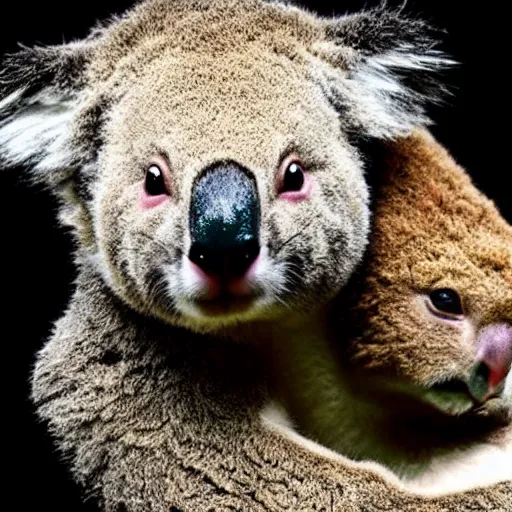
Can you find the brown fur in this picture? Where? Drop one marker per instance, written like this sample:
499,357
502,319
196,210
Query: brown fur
371,393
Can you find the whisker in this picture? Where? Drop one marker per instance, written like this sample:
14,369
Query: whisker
293,237
158,243
157,290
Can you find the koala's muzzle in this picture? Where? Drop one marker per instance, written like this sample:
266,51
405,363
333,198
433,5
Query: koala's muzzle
224,221
494,360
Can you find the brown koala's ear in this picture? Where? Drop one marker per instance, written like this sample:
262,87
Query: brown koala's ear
41,90
386,67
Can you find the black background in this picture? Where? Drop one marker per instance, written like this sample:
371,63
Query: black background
35,255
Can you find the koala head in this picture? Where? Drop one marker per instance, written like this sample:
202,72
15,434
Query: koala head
206,151
435,312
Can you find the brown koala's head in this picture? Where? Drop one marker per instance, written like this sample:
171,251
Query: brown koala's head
435,308
205,150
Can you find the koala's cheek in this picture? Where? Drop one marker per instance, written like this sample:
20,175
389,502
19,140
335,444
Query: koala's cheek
118,218
409,340
109,223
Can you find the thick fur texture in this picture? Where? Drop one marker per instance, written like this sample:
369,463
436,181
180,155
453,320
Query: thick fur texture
158,418
137,382
196,83
394,382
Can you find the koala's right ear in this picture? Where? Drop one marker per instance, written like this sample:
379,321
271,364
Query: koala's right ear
384,69
41,90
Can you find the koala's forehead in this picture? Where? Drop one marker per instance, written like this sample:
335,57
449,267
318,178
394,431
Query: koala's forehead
451,250
210,26
247,104
477,263
481,259
469,247
434,228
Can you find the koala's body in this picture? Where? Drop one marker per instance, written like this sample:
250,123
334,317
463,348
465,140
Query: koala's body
206,156
417,378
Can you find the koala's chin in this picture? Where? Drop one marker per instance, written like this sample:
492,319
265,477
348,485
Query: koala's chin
208,300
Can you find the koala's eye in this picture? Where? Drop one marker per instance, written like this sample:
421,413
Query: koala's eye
293,179
155,182
446,302
293,183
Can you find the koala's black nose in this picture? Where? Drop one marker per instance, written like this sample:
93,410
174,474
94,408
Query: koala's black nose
224,220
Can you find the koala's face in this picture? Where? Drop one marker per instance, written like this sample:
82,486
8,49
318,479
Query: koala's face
205,150
233,199
437,307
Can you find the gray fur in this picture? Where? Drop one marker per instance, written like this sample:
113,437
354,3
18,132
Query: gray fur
152,417
137,386
89,114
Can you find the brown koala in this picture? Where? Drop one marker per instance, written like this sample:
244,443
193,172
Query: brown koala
415,373
206,156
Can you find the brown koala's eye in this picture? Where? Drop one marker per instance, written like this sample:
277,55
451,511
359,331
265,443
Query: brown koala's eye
155,182
446,301
293,179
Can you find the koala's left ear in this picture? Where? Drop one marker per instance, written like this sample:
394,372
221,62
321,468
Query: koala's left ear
41,91
383,70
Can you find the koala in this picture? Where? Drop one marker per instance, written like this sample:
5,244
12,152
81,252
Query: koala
207,157
205,151
151,422
414,374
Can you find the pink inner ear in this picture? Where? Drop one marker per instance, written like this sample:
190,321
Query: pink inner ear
495,349
146,201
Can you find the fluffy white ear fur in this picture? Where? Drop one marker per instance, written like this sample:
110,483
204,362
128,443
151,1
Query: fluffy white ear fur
36,131
385,66
386,105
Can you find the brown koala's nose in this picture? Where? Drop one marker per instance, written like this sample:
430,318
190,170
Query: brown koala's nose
494,359
224,221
